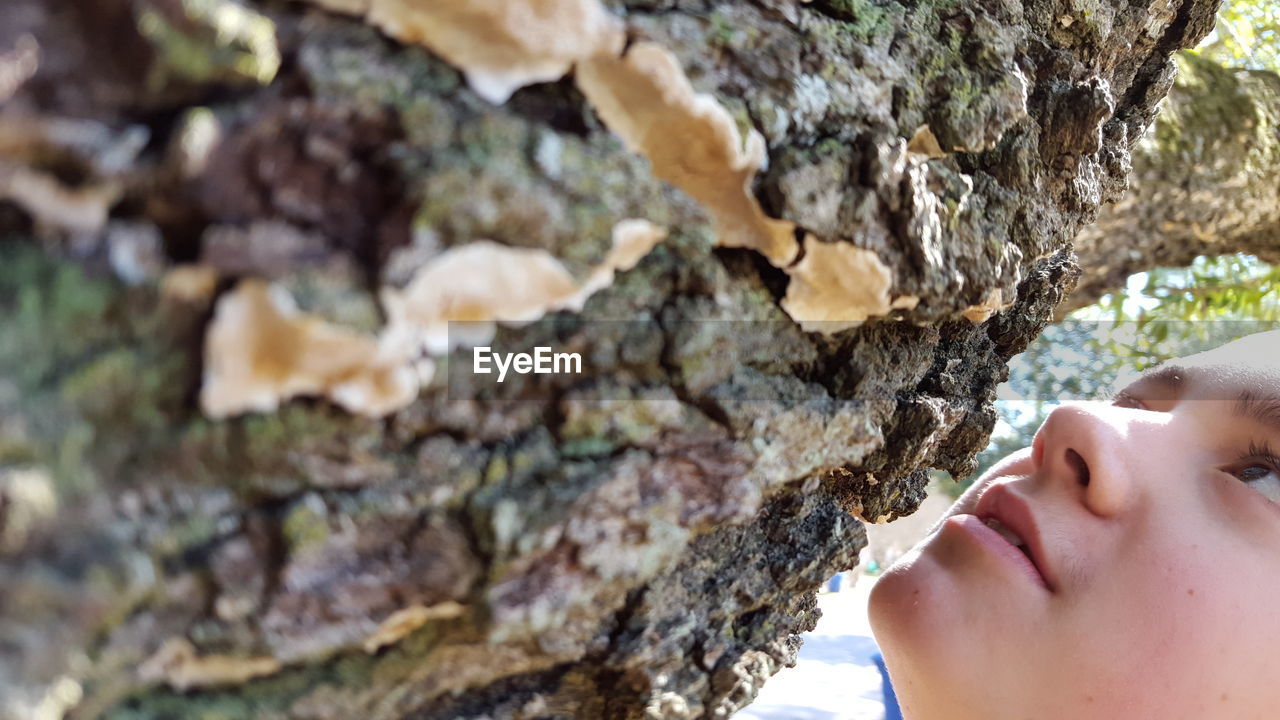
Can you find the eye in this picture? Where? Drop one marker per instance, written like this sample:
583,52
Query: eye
1262,478
1126,399
1260,470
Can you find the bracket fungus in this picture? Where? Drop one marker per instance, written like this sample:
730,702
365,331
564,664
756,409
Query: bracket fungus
645,98
500,45
477,283
401,623
483,283
992,302
261,350
177,665
924,144
189,283
632,239
836,286
103,157
49,201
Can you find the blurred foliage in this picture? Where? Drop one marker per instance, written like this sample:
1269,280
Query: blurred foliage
1159,315
1224,288
1247,35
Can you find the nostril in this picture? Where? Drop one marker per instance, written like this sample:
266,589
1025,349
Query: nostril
1078,464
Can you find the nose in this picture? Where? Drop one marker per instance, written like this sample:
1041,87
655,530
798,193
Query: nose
1085,448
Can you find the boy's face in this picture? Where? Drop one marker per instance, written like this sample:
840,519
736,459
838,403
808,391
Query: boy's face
1152,589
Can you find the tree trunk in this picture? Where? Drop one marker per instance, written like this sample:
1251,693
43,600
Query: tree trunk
641,539
1204,182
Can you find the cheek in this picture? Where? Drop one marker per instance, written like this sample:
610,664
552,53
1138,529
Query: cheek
1185,622
1164,588
1229,599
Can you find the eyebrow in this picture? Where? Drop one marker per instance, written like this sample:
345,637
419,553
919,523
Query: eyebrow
1261,407
1169,378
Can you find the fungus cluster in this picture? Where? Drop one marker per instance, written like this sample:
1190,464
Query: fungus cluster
500,46
261,350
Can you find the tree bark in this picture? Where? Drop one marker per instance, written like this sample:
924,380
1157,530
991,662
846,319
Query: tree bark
1203,182
641,540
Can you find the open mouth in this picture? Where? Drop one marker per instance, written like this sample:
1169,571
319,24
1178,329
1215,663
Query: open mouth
1009,515
1008,534
1013,538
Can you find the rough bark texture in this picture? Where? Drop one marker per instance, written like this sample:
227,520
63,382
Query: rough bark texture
1204,182
644,538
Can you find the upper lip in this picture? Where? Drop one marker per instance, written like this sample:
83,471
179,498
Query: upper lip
1002,503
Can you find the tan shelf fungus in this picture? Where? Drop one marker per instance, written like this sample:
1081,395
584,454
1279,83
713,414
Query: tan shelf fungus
261,350
645,98
177,665
499,45
836,286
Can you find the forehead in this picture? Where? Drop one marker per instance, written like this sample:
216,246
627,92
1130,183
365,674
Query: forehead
1252,360
1249,364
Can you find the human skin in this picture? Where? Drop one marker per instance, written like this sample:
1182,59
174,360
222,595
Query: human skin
1154,586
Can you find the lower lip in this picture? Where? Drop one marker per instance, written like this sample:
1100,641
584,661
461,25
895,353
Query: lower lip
995,543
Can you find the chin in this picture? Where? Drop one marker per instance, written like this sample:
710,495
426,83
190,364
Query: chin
912,607
934,652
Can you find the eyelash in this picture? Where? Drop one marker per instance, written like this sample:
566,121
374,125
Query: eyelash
1122,398
1257,455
